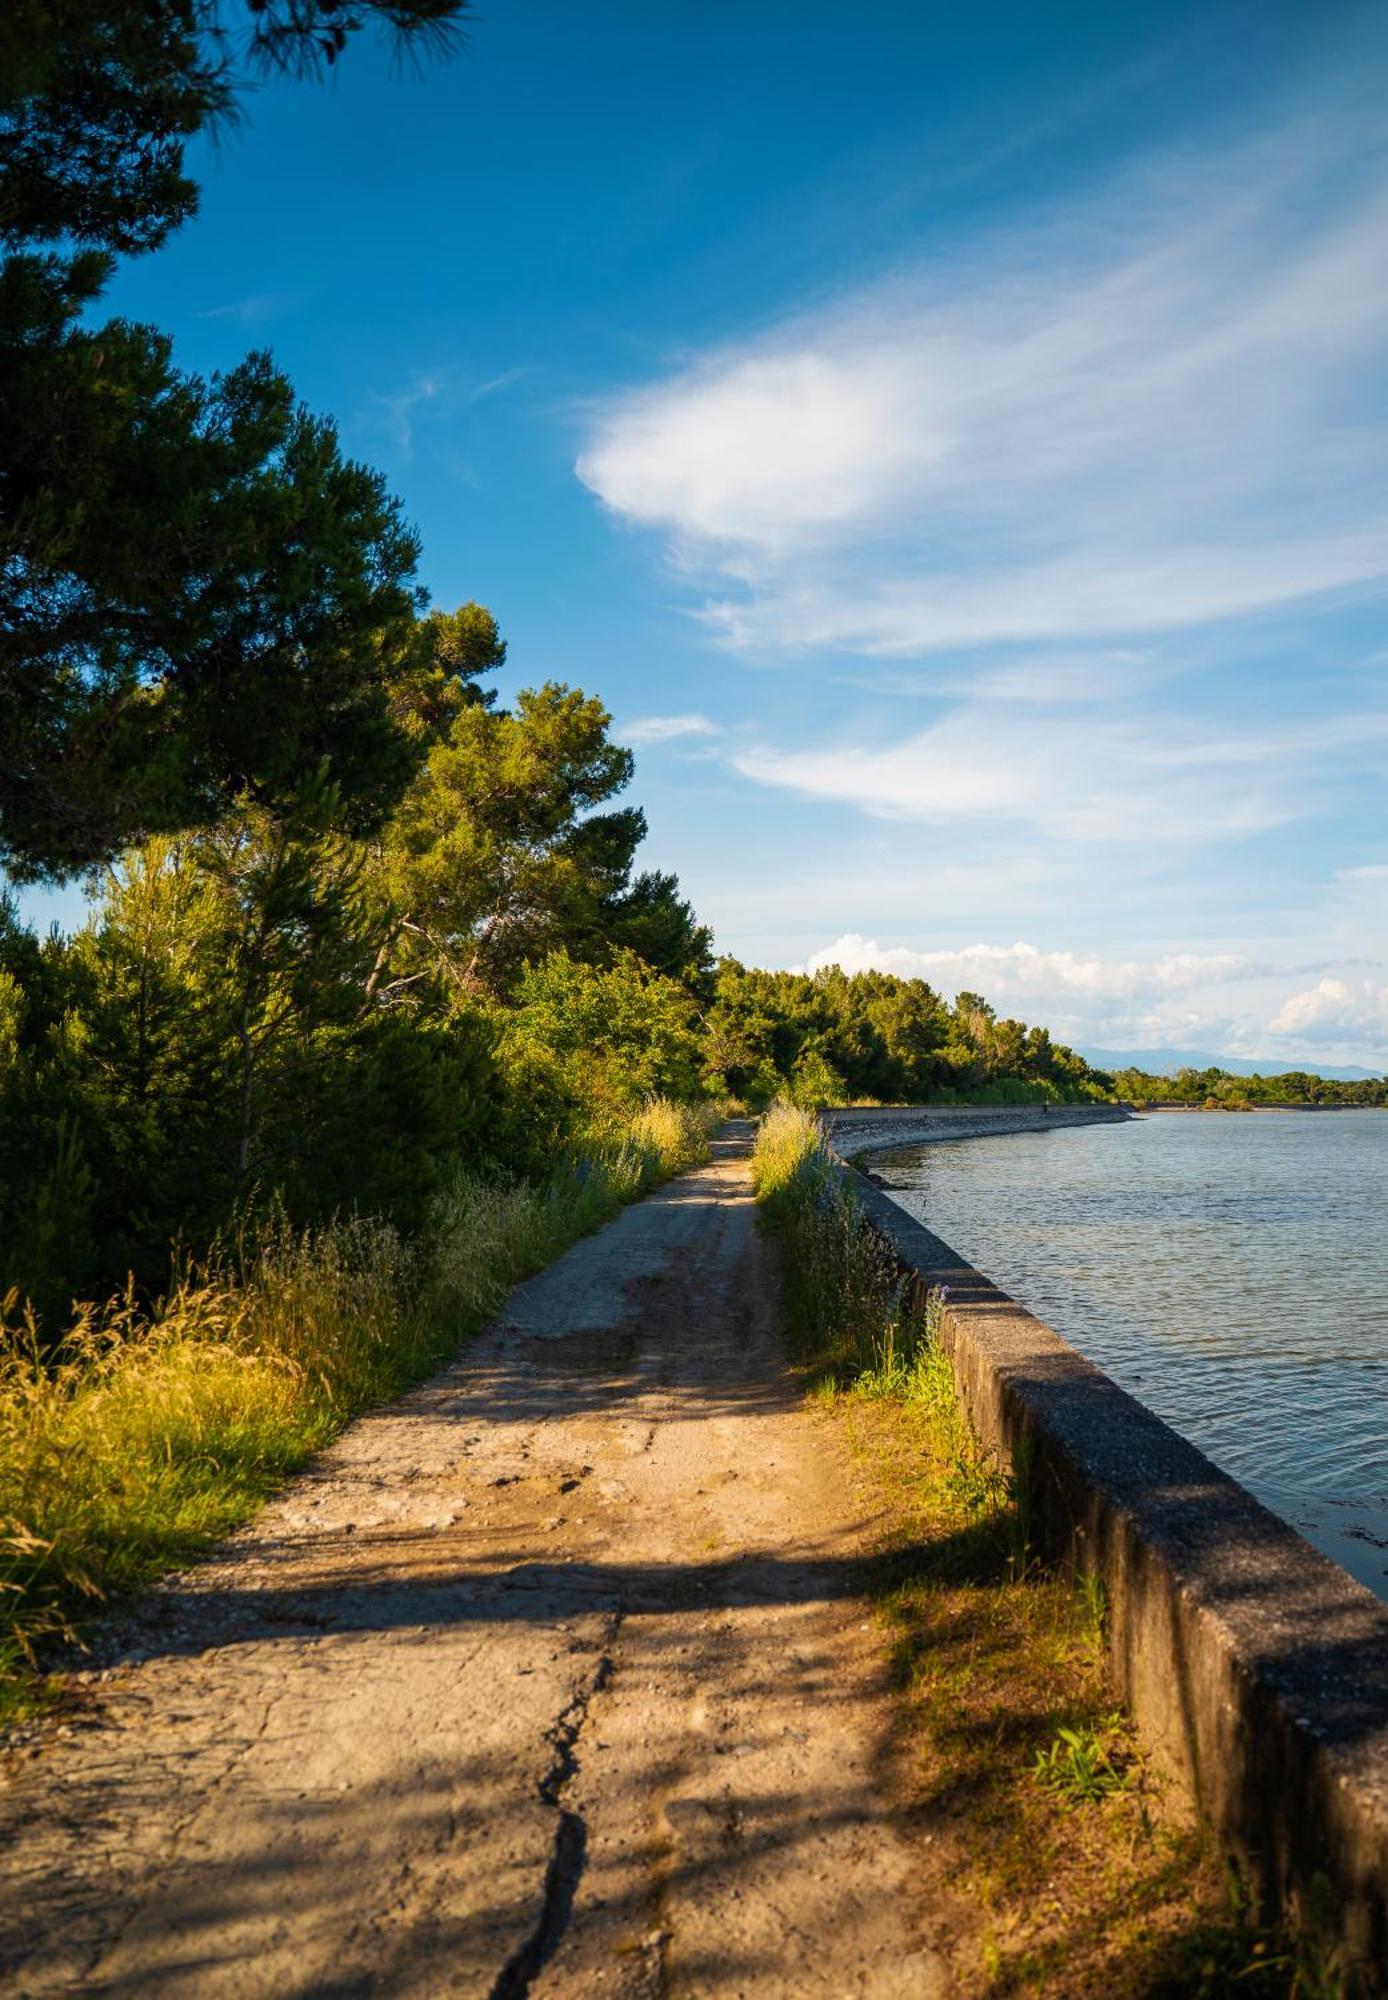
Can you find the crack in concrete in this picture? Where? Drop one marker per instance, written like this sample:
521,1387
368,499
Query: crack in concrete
162,1861
570,1849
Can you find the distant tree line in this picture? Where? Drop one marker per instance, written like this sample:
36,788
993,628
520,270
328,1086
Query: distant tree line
1219,1090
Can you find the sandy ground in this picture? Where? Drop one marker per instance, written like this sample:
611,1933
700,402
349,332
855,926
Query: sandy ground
554,1678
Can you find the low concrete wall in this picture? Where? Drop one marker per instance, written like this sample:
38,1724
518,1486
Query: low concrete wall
854,1132
1256,1668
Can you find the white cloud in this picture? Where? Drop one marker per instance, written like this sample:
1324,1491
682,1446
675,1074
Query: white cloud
1336,1010
1047,681
819,441
1112,780
1160,407
1005,485
1003,973
1106,590
665,728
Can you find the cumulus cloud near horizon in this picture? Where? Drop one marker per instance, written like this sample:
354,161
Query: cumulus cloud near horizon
1159,405
1334,1010
1021,968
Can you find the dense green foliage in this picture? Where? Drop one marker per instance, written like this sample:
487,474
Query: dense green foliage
282,1013
498,852
199,596
844,1038
279,1012
99,100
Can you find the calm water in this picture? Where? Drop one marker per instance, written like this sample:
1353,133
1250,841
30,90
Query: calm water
1231,1272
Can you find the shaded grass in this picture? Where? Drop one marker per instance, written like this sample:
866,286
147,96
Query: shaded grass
151,1434
1069,1867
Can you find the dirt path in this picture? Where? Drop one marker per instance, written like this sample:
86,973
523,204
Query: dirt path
555,1678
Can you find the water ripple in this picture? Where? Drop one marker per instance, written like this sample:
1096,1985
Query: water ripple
1232,1272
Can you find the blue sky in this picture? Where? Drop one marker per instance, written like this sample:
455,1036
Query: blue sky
951,440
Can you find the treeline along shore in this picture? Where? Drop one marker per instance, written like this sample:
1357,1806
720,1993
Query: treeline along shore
275,1019
1219,1090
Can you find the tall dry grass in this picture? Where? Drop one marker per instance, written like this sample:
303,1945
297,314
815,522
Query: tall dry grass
150,1433
851,1315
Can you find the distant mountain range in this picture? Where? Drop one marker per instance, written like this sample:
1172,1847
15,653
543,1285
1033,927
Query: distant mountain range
1166,1062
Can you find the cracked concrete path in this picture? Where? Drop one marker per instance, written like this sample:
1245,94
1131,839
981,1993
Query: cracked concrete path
554,1678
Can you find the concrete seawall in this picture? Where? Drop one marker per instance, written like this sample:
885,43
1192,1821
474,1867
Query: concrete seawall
854,1132
1256,1668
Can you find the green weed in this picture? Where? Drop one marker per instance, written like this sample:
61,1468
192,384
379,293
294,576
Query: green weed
1082,1766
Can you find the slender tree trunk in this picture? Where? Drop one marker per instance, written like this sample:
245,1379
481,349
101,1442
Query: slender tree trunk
246,1048
380,965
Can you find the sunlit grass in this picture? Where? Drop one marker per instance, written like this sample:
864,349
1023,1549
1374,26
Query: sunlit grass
149,1434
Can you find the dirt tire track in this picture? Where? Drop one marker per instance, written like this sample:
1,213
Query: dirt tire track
553,1678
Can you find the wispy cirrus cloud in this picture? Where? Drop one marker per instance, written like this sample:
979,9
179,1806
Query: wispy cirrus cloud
1116,779
1080,523
445,391
1160,406
647,729
256,308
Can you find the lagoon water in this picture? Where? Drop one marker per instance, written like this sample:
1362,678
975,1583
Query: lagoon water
1229,1271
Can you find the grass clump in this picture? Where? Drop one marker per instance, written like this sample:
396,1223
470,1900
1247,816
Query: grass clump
1083,1766
849,1314
152,1431
1067,1868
